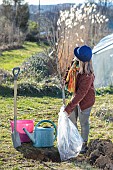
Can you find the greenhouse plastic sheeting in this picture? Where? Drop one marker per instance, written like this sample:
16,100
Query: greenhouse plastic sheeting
103,62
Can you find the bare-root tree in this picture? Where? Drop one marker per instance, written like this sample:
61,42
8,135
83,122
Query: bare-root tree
77,26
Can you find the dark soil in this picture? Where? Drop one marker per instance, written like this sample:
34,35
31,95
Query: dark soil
41,154
99,154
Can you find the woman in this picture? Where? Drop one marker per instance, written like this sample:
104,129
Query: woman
84,96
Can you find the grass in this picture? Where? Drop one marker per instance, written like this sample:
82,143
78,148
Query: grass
38,109
13,58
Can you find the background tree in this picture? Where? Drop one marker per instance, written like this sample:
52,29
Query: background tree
22,16
14,19
32,31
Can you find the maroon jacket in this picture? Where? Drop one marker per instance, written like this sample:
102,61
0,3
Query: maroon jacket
85,93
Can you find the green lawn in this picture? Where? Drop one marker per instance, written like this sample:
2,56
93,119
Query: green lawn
13,58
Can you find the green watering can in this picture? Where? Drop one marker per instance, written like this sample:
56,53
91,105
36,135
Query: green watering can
43,136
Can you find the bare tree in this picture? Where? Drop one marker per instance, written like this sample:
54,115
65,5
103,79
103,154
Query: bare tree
80,25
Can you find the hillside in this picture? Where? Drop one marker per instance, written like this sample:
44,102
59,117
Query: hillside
44,8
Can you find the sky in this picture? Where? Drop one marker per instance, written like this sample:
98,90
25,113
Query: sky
50,2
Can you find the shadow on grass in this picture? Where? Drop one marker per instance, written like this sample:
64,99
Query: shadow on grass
41,154
6,91
27,90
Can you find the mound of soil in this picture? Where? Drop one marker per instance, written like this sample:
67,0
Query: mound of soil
100,154
41,154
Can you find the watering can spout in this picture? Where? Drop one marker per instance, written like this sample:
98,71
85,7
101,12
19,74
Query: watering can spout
30,135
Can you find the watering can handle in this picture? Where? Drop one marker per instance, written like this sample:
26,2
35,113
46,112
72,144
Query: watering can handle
16,71
49,121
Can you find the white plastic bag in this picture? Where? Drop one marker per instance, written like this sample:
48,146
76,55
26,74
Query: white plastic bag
69,141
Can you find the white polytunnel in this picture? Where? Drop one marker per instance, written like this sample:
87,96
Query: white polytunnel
103,62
